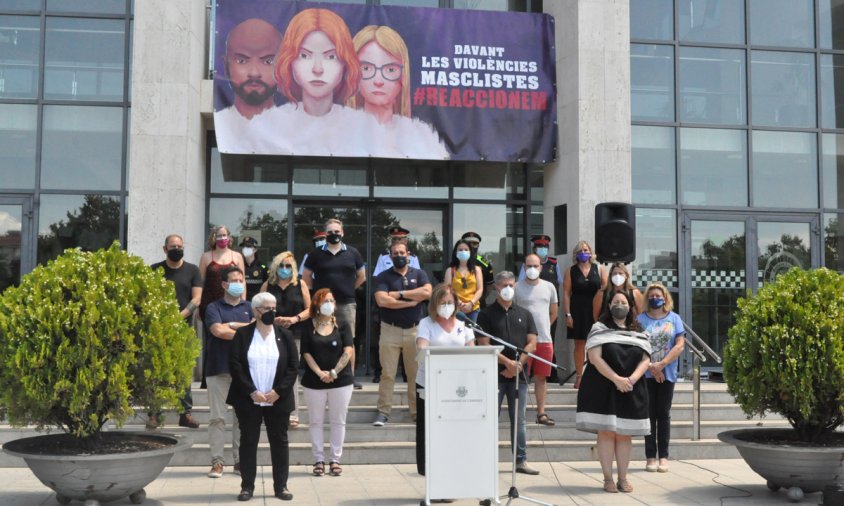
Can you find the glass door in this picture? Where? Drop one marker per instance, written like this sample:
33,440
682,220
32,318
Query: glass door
16,252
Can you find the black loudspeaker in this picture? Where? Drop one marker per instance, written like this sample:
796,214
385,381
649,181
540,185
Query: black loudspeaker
561,230
615,232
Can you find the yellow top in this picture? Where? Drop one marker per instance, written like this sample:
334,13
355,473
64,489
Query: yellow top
465,287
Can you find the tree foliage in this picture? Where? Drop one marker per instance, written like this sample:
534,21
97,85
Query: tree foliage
785,353
89,336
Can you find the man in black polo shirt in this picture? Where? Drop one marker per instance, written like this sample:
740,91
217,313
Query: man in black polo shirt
513,324
399,293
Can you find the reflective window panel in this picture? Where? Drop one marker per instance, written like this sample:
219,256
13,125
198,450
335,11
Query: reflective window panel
87,6
425,239
84,59
18,125
833,240
653,167
20,44
652,19
306,219
484,180
536,183
832,90
651,82
20,5
248,174
11,217
832,163
712,86
783,89
785,169
410,179
831,15
656,248
89,222
263,219
330,177
716,21
71,135
713,167
780,247
789,23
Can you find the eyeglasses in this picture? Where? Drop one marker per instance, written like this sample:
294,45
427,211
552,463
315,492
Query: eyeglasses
390,71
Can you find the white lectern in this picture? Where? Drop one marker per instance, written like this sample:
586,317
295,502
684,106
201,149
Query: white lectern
461,422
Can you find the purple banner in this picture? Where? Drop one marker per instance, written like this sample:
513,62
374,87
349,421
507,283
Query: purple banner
306,79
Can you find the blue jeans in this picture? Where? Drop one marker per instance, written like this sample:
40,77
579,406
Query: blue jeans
509,389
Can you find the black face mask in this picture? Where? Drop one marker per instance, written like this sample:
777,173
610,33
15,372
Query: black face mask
268,317
333,238
174,255
399,261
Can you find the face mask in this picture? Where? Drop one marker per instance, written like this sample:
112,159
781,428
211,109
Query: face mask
268,317
532,272
618,279
583,256
399,261
222,243
445,310
656,303
248,252
235,289
174,255
327,308
463,255
619,312
333,238
319,244
542,252
284,273
507,293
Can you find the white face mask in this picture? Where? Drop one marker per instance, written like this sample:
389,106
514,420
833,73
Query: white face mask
532,272
445,310
319,244
618,279
507,293
327,308
248,252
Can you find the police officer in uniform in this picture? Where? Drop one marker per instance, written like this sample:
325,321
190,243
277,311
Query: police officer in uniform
397,234
474,241
256,270
319,241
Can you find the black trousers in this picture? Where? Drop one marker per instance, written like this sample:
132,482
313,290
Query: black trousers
660,396
250,420
420,432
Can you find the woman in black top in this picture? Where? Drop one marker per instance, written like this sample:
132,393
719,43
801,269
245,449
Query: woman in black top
328,379
582,282
293,300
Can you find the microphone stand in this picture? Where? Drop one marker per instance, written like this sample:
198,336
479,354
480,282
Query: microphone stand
513,493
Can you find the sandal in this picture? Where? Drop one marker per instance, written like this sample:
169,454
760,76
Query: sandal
319,468
293,424
625,486
609,486
544,419
335,469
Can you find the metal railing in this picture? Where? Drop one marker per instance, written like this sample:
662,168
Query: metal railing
697,346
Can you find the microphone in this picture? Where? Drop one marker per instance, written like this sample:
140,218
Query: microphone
466,320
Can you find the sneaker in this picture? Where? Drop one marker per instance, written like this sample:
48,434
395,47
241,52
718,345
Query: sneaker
524,468
236,469
152,422
216,471
380,420
186,420
358,386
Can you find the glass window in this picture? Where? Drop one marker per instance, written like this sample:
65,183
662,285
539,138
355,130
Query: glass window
248,174
654,171
501,228
785,169
410,179
11,245
789,23
18,125
783,89
832,91
781,246
20,5
89,222
713,167
263,219
832,161
20,44
656,248
485,180
536,174
71,135
91,6
711,21
833,227
84,59
330,178
831,17
652,19
484,5
652,82
712,86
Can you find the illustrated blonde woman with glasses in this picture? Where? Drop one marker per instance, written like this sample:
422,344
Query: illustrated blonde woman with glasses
464,276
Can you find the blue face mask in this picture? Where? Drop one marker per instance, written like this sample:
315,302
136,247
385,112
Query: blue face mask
235,289
463,255
656,303
284,273
542,252
584,256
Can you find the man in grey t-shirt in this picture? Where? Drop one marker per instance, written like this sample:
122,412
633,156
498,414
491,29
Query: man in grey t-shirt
539,297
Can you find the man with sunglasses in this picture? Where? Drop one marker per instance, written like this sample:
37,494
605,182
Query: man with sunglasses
399,293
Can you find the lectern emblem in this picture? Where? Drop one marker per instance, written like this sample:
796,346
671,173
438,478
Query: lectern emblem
462,391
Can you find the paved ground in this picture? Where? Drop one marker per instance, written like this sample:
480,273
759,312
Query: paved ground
698,482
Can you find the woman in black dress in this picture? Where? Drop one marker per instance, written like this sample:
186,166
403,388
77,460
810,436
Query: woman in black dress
612,402
582,282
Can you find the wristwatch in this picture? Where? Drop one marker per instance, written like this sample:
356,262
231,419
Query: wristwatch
401,294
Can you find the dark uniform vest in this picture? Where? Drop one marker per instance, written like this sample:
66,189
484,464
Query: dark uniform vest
256,274
548,272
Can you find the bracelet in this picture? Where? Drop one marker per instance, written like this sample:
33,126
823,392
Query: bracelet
298,318
333,373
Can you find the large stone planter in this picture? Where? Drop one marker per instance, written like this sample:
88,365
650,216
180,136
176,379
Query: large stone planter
99,478
800,469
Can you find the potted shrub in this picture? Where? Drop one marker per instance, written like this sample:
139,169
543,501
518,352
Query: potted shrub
85,339
785,354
